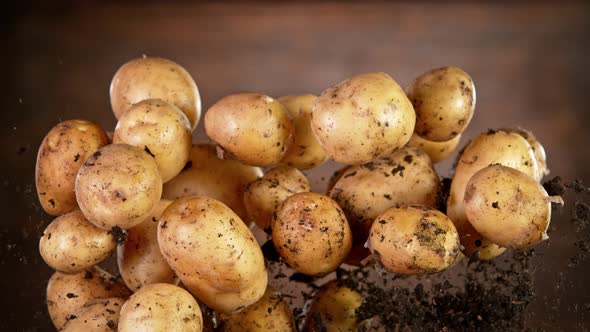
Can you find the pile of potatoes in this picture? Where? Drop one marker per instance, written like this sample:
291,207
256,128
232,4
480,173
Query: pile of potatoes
180,216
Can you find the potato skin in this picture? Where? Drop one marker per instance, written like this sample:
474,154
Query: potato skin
71,243
62,152
437,151
252,127
152,77
362,118
538,150
311,233
336,305
444,101
98,316
119,185
160,129
161,307
213,253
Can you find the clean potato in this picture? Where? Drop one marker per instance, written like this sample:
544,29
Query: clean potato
444,101
437,151
71,243
538,150
62,152
159,128
151,77
118,186
362,118
98,316
213,253
252,127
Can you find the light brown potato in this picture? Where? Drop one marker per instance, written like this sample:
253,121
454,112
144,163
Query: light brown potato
67,293
118,186
139,258
437,151
311,233
162,130
305,152
97,316
62,152
414,240
252,127
213,253
538,150
362,118
147,78
263,196
207,175
159,308
71,243
444,100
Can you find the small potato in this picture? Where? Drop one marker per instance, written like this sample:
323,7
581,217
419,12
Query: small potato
60,156
207,175
437,151
97,316
119,185
311,233
148,78
161,307
414,240
362,118
71,243
213,253
139,258
162,130
305,152
444,100
252,127
538,150
263,196
67,293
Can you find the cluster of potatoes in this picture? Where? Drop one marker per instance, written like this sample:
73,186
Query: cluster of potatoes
180,215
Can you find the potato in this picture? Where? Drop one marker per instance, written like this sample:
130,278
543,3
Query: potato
98,316
362,118
305,152
119,185
311,233
213,253
414,240
71,244
538,150
444,100
62,152
139,258
207,175
252,127
162,130
161,307
67,293
263,196
437,151
151,77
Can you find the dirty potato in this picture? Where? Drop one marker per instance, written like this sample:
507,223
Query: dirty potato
98,316
538,150
437,151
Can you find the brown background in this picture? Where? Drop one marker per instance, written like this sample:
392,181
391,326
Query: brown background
529,62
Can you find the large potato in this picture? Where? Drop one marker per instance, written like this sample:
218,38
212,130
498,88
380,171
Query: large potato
362,118
98,316
160,308
71,243
213,253
538,150
60,156
148,78
160,129
444,100
437,151
252,127
119,185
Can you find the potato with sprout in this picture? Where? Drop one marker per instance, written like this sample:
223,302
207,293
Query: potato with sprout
98,316
437,151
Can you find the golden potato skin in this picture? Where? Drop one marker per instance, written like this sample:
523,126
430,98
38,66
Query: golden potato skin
414,240
159,308
444,101
538,150
507,206
362,118
252,127
139,259
213,253
152,77
437,151
119,185
336,305
71,243
160,129
62,152
305,152
207,175
98,316
311,233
